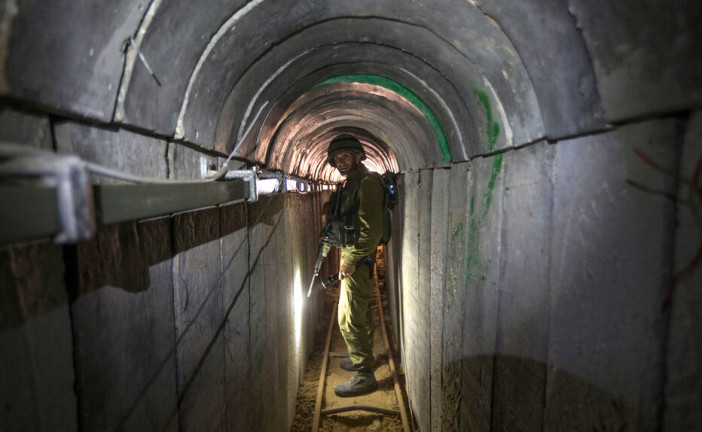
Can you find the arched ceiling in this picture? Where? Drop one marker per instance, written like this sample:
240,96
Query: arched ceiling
427,80
420,87
423,84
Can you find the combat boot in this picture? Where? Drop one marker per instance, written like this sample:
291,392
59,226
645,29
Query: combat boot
363,382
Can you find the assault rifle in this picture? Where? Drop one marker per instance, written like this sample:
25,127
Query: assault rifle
331,280
328,237
325,244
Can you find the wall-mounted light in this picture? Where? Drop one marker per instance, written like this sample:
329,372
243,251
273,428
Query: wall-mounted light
298,306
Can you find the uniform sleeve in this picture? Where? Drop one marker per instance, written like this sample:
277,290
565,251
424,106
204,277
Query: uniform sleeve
370,212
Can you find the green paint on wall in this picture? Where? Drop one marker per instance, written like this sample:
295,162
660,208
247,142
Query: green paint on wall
493,129
456,231
494,172
475,265
404,92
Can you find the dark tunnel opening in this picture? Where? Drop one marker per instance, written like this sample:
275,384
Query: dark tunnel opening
543,272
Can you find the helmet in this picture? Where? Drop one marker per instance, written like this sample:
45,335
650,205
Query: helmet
344,142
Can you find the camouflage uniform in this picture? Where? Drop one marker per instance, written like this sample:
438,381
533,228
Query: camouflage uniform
355,318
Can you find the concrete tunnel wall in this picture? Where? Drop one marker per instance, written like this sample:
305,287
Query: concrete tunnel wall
549,152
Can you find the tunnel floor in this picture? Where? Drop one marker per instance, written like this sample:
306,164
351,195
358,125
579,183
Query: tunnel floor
384,397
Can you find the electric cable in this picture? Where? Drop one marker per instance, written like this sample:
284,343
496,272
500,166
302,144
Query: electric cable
16,150
100,170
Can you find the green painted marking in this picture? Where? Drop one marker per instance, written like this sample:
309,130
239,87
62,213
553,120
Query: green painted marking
496,169
457,230
475,265
404,92
493,129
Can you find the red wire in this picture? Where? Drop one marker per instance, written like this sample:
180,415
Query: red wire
694,184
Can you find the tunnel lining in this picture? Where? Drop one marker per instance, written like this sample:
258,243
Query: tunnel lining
405,92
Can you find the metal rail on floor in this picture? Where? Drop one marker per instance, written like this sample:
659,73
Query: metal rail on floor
368,408
391,360
323,373
318,412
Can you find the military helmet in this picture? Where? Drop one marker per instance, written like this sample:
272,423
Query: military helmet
344,142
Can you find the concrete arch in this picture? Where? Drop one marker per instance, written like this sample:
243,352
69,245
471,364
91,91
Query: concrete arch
527,274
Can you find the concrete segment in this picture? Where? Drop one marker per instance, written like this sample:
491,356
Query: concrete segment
59,64
610,265
257,317
185,163
235,303
683,387
410,308
35,333
287,360
459,181
553,51
122,320
18,127
641,60
522,315
393,251
422,314
199,320
482,256
439,212
169,49
269,230
115,149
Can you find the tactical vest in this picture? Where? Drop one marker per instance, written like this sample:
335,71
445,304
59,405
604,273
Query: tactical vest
343,213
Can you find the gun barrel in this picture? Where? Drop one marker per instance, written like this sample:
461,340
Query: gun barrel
309,291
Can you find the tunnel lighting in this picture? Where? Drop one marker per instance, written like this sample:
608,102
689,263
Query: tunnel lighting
266,186
298,306
373,166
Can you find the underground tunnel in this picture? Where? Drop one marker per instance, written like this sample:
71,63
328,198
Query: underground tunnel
163,168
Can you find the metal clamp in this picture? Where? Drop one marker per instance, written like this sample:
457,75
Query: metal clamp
250,176
69,176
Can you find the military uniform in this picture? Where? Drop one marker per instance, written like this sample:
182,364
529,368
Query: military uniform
355,318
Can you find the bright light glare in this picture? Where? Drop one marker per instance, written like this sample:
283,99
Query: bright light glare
298,305
373,166
266,186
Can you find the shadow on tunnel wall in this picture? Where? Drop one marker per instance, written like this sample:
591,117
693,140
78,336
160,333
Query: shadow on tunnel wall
233,218
39,281
120,255
24,292
507,393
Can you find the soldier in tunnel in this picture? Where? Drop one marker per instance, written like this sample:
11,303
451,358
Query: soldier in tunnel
358,218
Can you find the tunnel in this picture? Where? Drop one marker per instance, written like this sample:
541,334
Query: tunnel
544,268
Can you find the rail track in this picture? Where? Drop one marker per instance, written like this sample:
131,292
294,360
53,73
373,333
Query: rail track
327,404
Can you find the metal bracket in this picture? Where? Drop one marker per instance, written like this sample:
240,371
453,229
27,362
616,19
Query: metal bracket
69,176
280,176
248,176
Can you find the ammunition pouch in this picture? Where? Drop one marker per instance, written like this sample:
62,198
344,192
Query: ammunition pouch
346,229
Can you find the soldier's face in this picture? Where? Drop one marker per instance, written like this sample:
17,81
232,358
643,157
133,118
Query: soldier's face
346,161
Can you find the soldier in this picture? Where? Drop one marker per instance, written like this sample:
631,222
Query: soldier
360,221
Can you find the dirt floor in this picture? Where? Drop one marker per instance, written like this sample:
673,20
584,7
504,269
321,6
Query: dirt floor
384,397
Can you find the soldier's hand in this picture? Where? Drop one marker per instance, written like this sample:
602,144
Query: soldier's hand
346,269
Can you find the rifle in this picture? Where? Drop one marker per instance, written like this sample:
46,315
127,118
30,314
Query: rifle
331,280
322,252
328,237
